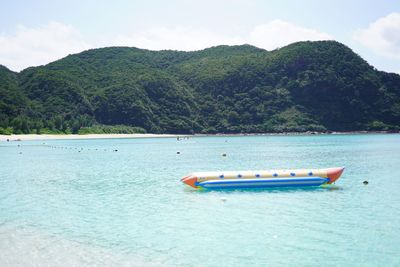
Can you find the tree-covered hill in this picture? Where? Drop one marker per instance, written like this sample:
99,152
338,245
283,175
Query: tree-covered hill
315,86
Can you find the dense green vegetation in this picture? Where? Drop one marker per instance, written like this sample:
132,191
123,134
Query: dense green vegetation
306,86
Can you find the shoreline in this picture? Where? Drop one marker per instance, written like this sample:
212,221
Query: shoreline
34,137
298,133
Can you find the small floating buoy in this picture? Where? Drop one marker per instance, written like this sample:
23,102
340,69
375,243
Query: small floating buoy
224,155
115,150
178,152
365,182
20,153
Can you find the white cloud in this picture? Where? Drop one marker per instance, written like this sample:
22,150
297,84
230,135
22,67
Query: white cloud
274,34
37,46
382,36
178,38
278,33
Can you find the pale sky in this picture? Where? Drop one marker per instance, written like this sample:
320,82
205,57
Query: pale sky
37,32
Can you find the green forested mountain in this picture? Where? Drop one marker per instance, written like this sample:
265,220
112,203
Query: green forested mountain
315,86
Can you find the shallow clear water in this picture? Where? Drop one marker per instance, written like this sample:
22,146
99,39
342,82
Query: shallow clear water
128,207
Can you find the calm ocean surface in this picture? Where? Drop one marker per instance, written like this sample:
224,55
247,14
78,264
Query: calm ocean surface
100,207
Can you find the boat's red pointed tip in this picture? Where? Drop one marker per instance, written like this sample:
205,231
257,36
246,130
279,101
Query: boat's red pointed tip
334,174
190,180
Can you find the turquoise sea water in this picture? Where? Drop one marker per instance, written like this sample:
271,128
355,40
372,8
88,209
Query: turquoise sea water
128,207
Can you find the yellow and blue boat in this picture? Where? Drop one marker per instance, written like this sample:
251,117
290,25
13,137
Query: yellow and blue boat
263,179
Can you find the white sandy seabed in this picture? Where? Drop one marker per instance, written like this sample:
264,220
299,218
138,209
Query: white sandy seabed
24,247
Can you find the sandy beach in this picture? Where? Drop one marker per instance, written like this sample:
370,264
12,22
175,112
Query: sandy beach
30,137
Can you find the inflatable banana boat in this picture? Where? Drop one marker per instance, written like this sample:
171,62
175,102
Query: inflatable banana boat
263,179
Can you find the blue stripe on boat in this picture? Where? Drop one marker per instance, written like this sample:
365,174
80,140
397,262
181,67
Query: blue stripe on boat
261,183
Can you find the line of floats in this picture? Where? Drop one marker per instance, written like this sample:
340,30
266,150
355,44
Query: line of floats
263,179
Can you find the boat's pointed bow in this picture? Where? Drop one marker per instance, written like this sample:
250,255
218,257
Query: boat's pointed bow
334,174
190,180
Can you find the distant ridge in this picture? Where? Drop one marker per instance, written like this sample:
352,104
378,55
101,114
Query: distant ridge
305,86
